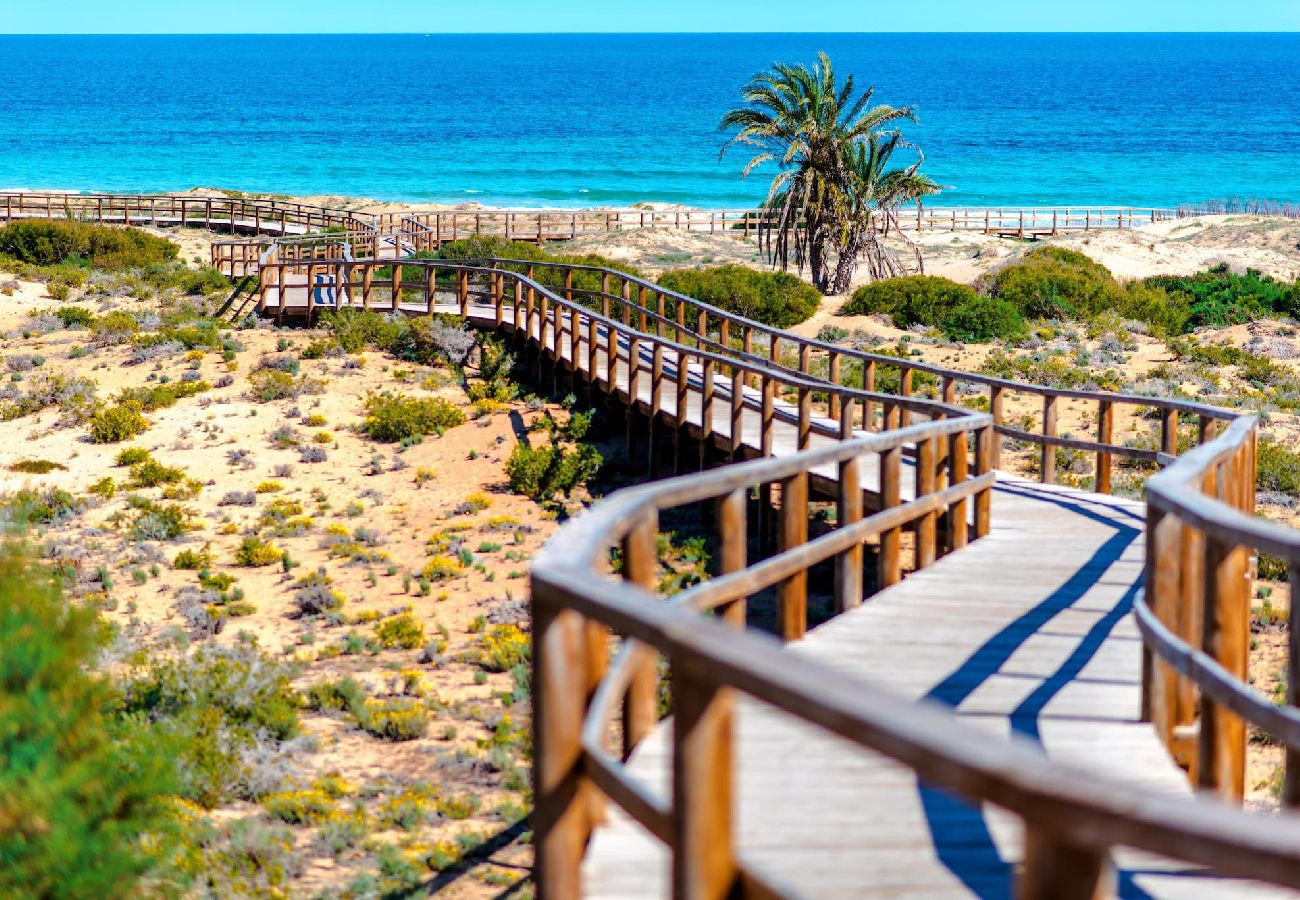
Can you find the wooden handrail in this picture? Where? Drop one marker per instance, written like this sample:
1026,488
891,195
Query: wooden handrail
1063,807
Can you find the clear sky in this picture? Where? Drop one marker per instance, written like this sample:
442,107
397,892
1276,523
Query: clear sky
443,16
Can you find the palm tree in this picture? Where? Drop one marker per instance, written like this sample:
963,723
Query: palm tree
815,131
869,203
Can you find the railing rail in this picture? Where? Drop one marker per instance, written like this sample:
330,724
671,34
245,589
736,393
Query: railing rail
1072,818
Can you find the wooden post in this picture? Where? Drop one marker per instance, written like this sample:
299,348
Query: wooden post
1169,431
563,811
869,385
805,418
641,707
984,442
703,857
1047,457
958,470
848,511
1105,435
889,562
905,390
792,593
1056,869
733,541
833,398
397,286
925,525
995,410
1225,637
1291,775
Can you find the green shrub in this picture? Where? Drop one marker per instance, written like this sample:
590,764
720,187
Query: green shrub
1054,283
272,384
116,327
160,522
397,719
1277,467
117,423
355,329
1049,369
1219,298
81,792
397,417
778,299
253,551
75,316
203,282
161,396
46,242
956,309
193,560
40,506
152,473
130,456
544,471
215,705
36,466
400,631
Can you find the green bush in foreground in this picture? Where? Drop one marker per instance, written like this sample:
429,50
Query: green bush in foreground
1277,467
1218,297
547,470
956,309
79,792
778,299
46,242
397,417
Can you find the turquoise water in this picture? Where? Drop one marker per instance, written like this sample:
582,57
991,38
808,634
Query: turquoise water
574,120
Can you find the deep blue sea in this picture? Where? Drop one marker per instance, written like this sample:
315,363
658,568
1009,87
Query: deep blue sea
575,120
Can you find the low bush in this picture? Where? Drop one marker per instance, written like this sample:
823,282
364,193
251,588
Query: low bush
397,417
266,385
74,316
396,719
39,506
544,471
956,309
117,423
160,522
778,299
500,649
82,790
217,707
400,631
1218,297
116,327
47,242
36,466
1277,467
253,552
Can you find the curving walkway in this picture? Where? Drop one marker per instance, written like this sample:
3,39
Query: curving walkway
1027,630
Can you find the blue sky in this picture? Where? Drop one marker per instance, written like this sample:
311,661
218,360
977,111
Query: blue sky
295,16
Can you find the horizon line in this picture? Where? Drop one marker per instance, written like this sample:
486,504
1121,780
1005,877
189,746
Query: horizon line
606,33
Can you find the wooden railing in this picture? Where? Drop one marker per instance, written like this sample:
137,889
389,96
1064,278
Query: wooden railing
591,713
670,312
541,225
237,214
1202,537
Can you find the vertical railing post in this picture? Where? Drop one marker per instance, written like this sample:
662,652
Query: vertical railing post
1056,868
1047,455
641,707
564,674
985,438
1291,772
925,525
848,512
891,541
792,593
1225,633
703,858
995,410
1105,435
958,531
733,543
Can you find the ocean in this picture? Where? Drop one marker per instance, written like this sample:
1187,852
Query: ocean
591,120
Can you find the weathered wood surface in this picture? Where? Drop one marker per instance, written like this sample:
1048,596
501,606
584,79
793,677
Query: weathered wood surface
1025,630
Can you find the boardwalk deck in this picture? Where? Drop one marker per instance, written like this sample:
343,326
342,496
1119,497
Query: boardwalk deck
1028,630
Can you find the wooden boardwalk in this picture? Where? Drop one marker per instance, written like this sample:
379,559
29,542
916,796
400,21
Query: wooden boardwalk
1027,631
